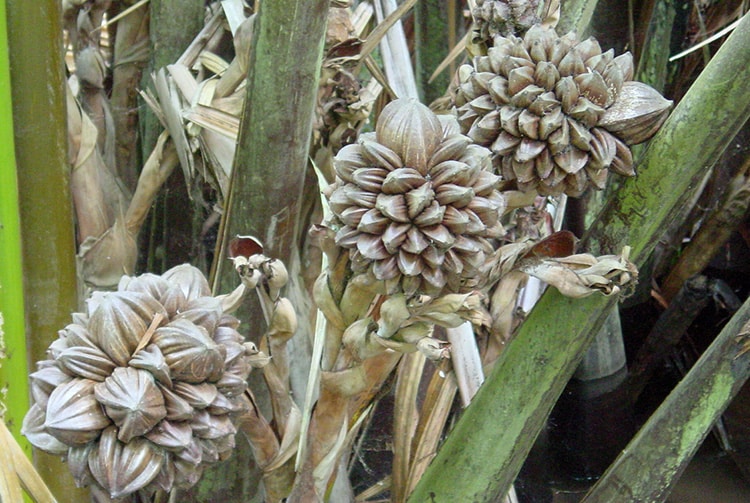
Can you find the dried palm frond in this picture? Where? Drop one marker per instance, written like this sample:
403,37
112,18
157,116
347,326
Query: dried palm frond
16,471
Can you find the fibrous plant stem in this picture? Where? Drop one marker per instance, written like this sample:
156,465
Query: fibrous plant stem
37,86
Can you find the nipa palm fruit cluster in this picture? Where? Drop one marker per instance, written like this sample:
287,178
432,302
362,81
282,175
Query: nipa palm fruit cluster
556,112
415,203
143,390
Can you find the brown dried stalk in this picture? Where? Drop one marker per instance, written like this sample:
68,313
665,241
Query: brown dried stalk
713,233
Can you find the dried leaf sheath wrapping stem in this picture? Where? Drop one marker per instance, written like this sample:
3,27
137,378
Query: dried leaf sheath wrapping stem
347,384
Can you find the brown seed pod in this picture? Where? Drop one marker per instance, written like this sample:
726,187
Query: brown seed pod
123,468
132,400
120,321
189,351
74,416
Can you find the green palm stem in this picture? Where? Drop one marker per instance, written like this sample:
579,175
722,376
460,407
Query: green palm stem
270,164
653,461
485,451
13,362
576,15
47,231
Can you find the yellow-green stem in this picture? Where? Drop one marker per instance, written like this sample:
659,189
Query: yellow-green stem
41,149
14,389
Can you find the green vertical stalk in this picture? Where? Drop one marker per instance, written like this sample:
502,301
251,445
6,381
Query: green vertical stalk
485,451
13,363
431,25
652,66
173,24
41,150
575,15
270,164
274,140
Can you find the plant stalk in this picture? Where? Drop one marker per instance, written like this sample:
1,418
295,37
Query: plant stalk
41,147
651,464
13,360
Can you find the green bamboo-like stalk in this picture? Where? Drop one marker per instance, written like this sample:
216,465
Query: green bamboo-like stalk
653,461
431,24
47,232
173,24
274,139
270,163
576,15
652,65
13,362
485,451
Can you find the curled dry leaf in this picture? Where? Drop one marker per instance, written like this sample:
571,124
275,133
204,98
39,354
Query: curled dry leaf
583,274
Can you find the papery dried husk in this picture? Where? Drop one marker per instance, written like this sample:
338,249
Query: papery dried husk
122,469
189,351
104,258
74,416
358,339
33,429
434,349
120,321
132,400
283,323
583,274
